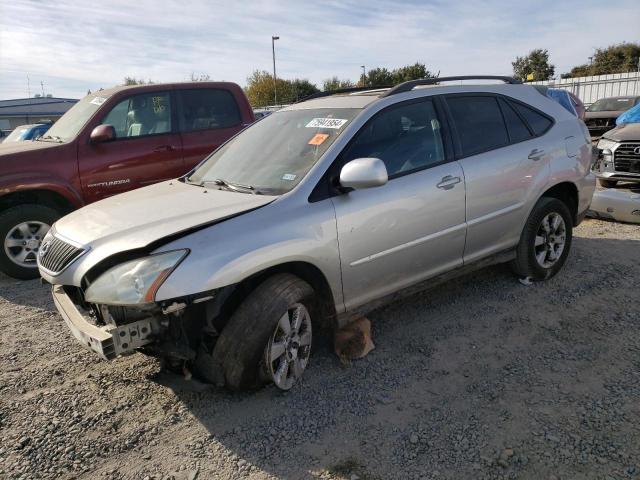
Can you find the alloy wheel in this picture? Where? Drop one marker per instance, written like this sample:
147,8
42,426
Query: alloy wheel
288,350
550,240
23,242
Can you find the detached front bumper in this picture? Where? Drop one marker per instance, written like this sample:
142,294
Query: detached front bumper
107,341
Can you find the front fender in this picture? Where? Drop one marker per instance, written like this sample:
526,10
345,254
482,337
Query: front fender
228,253
28,181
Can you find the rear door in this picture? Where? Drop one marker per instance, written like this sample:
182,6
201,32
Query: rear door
208,117
503,161
411,228
146,150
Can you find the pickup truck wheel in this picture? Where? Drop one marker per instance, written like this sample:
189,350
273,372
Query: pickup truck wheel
267,339
607,183
22,229
545,241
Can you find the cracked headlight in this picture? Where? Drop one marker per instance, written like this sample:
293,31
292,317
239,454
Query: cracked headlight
135,282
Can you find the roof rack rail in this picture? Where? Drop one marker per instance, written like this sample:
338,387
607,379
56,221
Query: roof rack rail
342,90
408,86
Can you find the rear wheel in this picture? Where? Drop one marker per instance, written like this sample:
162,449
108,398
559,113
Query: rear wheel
267,339
545,241
607,183
22,229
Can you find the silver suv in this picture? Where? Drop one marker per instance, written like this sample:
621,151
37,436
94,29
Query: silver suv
316,214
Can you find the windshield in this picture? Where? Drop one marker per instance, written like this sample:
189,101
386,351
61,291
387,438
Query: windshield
18,134
274,154
611,105
76,117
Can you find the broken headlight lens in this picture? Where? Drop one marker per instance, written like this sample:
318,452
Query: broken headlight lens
135,282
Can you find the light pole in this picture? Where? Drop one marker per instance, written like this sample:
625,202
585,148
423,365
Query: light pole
273,51
364,75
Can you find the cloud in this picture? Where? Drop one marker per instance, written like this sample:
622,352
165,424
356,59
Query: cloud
75,46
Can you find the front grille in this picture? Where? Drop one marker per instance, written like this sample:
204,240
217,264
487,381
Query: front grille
55,255
600,122
624,158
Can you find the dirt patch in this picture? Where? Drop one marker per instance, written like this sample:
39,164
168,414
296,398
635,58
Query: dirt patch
479,378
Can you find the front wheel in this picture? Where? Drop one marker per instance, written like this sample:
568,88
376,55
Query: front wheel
267,339
22,229
545,241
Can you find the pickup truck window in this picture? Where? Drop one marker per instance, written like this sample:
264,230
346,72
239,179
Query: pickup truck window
203,109
140,115
76,117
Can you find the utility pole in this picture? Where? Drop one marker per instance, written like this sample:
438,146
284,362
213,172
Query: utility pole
42,86
364,76
273,51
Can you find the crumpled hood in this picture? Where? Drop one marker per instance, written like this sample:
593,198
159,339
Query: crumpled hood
624,133
138,218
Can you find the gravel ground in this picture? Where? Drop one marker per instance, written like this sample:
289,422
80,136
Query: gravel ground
480,378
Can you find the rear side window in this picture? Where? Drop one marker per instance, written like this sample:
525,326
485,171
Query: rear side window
479,123
518,131
539,123
205,109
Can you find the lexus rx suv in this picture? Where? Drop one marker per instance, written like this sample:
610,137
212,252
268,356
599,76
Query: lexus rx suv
316,214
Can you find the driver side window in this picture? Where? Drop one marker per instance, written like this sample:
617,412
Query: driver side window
141,115
406,138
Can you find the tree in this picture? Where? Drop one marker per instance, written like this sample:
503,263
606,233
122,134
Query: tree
334,83
377,77
259,89
536,63
200,77
620,58
381,77
411,72
136,81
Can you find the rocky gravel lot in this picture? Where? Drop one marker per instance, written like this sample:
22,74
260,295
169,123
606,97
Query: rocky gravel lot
481,378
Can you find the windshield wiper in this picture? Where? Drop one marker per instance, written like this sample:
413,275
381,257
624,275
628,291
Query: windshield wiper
46,138
236,187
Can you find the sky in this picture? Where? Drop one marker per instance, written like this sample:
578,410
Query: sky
74,46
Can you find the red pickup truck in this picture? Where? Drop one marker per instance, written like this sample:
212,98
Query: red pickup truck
109,142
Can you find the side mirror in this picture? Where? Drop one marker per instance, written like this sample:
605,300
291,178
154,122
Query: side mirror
363,173
103,133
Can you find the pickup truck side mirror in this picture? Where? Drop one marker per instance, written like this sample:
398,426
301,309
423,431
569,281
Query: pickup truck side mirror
103,133
363,173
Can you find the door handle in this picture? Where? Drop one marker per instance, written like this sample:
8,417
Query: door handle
448,182
536,154
164,148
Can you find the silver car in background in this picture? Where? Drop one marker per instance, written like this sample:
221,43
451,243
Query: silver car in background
316,214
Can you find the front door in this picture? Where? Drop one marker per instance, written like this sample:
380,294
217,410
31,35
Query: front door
146,150
411,228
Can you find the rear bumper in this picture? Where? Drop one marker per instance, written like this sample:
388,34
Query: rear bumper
107,341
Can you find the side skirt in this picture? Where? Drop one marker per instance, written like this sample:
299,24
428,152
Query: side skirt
501,257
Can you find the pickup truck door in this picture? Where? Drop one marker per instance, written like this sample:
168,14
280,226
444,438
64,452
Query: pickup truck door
147,149
411,228
208,117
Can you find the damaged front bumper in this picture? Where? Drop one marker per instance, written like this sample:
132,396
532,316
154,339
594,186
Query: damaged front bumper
107,341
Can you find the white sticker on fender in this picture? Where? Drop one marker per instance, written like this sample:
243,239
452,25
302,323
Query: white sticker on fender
98,100
326,123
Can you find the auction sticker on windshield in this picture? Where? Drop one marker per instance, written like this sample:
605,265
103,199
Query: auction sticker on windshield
326,123
318,139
